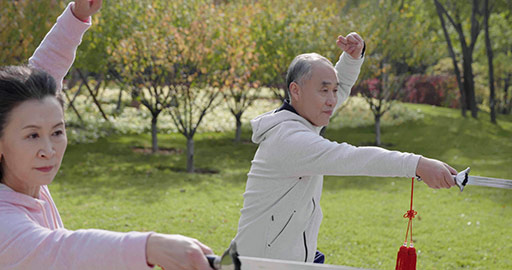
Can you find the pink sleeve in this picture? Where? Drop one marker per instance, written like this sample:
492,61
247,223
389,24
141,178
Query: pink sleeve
56,52
26,245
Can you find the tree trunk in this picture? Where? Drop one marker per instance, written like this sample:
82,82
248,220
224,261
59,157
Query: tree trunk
70,102
119,99
468,75
469,83
489,60
238,131
508,101
462,102
96,102
190,154
154,134
377,129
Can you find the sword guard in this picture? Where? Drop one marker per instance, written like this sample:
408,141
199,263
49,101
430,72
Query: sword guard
461,179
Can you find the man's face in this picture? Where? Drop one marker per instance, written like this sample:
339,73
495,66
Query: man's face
315,99
33,144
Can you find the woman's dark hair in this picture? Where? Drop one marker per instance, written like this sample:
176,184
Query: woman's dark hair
19,84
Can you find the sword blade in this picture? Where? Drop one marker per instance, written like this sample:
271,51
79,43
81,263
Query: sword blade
250,263
463,178
489,182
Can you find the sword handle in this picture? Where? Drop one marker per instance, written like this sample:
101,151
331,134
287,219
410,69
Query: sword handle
461,179
214,261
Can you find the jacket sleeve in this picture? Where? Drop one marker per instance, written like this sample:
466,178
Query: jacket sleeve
347,71
56,52
298,152
26,245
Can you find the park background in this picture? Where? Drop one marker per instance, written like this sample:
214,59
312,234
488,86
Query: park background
160,96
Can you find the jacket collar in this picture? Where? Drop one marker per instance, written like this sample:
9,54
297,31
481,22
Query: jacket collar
287,107
8,195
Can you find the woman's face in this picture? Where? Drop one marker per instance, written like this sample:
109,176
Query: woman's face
33,144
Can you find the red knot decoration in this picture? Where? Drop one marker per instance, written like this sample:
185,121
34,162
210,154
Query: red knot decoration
406,258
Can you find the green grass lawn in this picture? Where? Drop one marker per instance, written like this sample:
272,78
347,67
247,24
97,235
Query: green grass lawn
106,185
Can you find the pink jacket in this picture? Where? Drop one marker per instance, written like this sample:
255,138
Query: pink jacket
32,235
56,52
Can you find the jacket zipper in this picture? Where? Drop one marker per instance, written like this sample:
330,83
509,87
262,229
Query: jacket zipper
284,227
305,247
304,233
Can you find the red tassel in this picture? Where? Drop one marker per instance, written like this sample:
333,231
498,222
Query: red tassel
406,258
412,258
401,258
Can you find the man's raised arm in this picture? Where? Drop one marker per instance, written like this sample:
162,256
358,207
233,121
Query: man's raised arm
349,64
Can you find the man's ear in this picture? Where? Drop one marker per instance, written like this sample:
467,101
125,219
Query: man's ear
294,91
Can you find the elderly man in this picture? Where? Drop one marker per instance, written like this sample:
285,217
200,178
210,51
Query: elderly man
281,215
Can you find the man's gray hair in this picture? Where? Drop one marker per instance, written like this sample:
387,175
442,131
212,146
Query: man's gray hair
300,69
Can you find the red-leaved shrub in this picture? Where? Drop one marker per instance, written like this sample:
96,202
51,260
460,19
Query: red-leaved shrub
439,90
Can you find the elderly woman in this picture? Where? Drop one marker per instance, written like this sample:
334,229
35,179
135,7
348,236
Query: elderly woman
32,144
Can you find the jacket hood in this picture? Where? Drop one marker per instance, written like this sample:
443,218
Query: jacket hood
7,195
267,121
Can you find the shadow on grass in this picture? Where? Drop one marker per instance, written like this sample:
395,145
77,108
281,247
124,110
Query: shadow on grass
183,170
161,151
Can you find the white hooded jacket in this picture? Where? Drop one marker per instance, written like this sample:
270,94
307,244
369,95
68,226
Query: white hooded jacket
281,215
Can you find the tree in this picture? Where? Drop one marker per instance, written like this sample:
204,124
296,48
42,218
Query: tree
171,63
285,29
240,62
487,11
144,60
390,54
499,21
379,93
23,25
194,85
455,17
95,64
101,83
